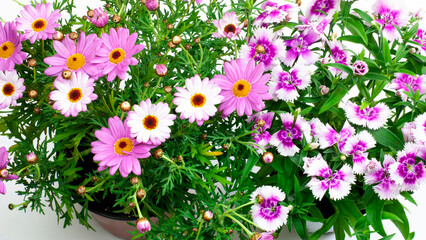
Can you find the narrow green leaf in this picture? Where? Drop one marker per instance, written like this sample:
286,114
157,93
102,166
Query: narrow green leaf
397,209
357,29
363,15
338,93
391,216
374,209
408,197
421,57
387,138
340,66
385,50
251,161
328,224
300,227
388,237
351,38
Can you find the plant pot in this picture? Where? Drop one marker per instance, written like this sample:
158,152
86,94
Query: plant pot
118,227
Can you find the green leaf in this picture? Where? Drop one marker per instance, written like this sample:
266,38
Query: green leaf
388,237
300,227
251,161
363,15
391,216
404,226
351,38
374,209
328,224
408,197
387,138
421,57
356,28
338,93
340,66
385,50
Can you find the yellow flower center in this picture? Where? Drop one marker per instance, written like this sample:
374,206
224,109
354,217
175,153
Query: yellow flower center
123,144
76,61
39,25
117,55
6,50
150,122
198,100
241,88
75,95
8,89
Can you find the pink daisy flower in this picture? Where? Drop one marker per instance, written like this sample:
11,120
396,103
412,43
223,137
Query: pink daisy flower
74,57
244,87
116,53
357,145
228,26
39,22
150,123
4,173
390,16
370,117
73,95
12,88
275,11
420,133
406,172
10,47
286,85
338,183
100,17
329,137
197,100
116,149
273,45
293,129
268,214
385,187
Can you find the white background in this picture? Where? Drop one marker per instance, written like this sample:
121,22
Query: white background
17,225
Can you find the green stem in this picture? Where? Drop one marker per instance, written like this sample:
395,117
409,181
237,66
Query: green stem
199,229
42,46
90,189
236,49
201,56
245,219
234,209
22,169
190,59
38,172
135,200
35,75
252,143
239,223
155,88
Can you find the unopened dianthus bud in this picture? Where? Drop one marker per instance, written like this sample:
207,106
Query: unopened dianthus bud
225,147
4,173
32,93
32,62
333,36
116,18
170,44
342,157
134,180
290,207
297,111
360,68
73,36
131,205
125,106
187,46
260,123
413,50
31,158
313,146
260,49
143,225
169,26
161,70
58,36
81,190
324,89
90,13
176,40
259,199
158,153
151,5
140,193
207,215
66,74
37,110
197,40
245,21
267,157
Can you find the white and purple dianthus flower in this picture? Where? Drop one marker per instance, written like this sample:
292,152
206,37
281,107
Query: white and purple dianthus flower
299,49
421,34
370,117
262,137
403,82
420,133
268,214
317,8
385,187
275,11
337,183
293,129
317,127
273,45
357,146
339,55
390,16
316,26
285,85
406,172
408,131
329,137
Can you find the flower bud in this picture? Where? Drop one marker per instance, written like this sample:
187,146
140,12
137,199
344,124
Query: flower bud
37,110
158,153
31,158
140,193
197,40
134,180
230,231
94,179
4,173
143,1
32,62
194,229
151,5
333,36
58,36
11,206
342,157
290,207
159,54
125,106
245,21
260,123
73,35
66,74
324,89
107,6
161,70
360,68
299,2
325,60
176,40
169,26
225,147
50,102
313,146
204,136
143,225
90,13
116,19
208,21
164,20
259,199
146,84
260,49
207,215
81,190
413,50
131,205
171,45
32,93
84,18
187,46
267,158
